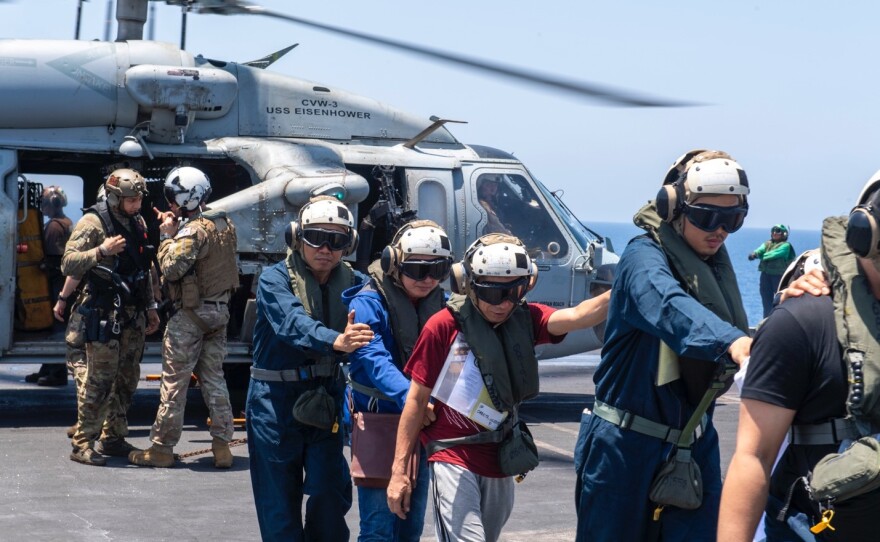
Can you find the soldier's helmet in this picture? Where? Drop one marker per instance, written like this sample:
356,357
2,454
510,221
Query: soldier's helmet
187,187
124,183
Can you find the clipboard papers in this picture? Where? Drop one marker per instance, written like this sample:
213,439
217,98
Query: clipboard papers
460,386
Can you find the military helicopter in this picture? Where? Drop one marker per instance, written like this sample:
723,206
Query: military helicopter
270,142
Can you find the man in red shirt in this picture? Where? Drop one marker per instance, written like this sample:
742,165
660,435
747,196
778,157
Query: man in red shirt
477,360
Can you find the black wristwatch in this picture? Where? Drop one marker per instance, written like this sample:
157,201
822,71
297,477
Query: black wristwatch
62,298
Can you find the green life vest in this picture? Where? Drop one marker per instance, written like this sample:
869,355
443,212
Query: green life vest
407,321
857,318
505,354
712,284
304,286
776,266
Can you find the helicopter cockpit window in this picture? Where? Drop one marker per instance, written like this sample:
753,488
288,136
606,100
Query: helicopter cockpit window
512,207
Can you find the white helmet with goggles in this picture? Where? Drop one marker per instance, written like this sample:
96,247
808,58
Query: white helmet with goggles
493,255
322,211
418,240
700,173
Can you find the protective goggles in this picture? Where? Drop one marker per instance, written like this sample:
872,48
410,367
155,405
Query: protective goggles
711,217
422,269
777,230
335,240
496,293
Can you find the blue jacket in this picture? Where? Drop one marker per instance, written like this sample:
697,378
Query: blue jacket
616,466
284,331
376,364
648,305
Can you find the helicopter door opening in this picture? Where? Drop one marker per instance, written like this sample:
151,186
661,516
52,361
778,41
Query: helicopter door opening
508,204
48,208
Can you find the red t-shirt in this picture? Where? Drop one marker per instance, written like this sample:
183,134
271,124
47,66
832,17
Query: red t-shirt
424,366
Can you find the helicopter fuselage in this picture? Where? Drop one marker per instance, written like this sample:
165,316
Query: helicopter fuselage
268,142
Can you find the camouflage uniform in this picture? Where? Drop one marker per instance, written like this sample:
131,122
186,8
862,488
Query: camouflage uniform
116,422
206,248
116,362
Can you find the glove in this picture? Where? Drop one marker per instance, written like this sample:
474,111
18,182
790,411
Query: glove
752,256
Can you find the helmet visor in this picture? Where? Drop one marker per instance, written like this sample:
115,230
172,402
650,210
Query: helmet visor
496,293
335,240
422,269
711,217
170,195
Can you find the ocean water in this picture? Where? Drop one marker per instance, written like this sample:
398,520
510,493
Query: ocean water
739,246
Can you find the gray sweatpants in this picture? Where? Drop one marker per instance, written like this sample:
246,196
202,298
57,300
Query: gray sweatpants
469,507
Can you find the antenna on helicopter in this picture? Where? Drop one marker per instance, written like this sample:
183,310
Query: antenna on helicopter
79,12
108,20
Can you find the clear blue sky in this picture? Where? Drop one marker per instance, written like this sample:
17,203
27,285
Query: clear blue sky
791,86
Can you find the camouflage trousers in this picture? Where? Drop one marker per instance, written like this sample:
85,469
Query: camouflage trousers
111,378
77,367
188,350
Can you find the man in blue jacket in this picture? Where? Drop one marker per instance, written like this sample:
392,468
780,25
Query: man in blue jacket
294,405
675,316
404,291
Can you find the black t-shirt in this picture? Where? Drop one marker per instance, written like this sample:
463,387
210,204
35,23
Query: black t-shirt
796,363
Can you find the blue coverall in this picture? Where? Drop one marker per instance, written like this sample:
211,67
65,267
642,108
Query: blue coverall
376,365
282,449
615,467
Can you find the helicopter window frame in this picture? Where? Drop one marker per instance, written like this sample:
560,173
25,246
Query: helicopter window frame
516,184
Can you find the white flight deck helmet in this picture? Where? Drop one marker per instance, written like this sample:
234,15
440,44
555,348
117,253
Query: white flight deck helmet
187,187
414,240
322,210
700,173
493,255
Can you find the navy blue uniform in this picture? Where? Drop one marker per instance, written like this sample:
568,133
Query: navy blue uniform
282,449
615,466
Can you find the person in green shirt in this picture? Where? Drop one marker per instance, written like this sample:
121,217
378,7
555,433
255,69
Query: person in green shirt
775,255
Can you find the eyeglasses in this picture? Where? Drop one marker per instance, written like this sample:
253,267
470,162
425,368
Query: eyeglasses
711,217
777,230
422,269
496,293
335,240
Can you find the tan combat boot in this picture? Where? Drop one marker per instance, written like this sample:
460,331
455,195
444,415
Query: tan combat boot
222,453
154,456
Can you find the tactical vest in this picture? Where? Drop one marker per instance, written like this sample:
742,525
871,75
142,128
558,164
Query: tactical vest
504,354
712,283
132,264
324,305
857,318
407,321
217,273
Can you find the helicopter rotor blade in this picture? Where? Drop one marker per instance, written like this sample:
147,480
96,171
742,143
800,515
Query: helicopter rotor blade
584,90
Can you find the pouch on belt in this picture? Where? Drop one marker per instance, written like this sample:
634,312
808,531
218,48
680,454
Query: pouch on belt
316,408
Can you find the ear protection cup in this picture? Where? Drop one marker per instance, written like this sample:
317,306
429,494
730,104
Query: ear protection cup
293,235
459,281
862,232
533,270
352,246
390,259
669,200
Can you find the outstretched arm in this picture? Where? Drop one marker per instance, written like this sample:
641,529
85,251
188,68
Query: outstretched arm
587,313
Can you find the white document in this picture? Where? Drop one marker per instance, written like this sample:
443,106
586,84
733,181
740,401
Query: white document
460,386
